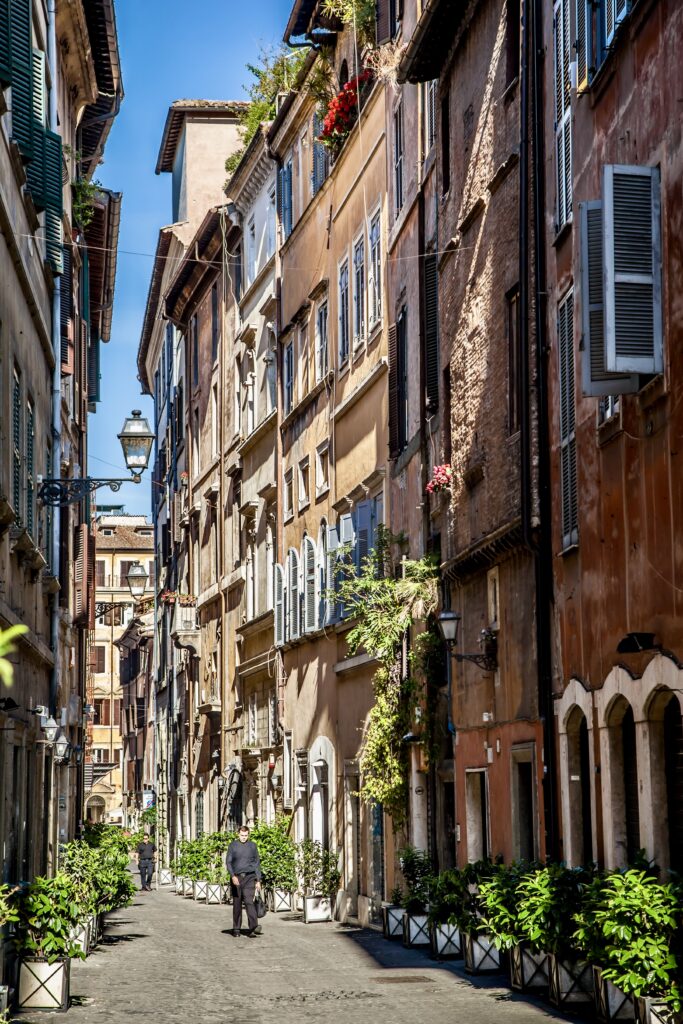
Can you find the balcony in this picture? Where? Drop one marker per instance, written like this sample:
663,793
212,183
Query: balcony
185,631
209,703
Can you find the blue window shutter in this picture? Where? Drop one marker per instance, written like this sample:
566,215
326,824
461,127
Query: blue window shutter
309,561
21,55
279,604
363,533
330,574
347,555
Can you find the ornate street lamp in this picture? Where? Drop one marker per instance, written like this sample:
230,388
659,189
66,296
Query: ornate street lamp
50,728
137,579
449,623
62,746
136,439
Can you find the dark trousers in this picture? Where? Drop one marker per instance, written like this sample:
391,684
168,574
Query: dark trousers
146,872
243,896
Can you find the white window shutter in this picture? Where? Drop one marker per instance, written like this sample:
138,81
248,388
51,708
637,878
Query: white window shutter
584,43
347,543
330,574
363,533
633,288
294,627
596,380
569,490
310,589
563,124
279,604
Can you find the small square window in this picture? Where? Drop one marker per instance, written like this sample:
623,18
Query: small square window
304,483
322,468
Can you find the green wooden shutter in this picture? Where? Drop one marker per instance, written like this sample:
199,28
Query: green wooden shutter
66,312
596,380
633,287
93,372
21,55
393,392
35,169
431,325
54,236
5,46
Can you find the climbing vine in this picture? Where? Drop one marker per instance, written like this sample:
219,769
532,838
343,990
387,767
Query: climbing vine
358,14
386,600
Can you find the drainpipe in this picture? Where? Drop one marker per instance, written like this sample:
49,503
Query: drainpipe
55,469
538,542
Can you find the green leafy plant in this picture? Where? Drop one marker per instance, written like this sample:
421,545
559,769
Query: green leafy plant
549,899
276,72
418,874
8,905
384,603
7,638
448,895
358,15
277,852
627,925
396,896
318,869
498,902
83,196
49,912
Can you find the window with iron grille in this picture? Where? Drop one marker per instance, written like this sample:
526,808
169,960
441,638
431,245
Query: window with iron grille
16,444
30,467
565,337
344,312
398,158
359,291
563,124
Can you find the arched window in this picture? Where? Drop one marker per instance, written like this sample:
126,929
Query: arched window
578,756
623,768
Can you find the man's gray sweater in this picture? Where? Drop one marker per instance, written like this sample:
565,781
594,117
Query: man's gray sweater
243,859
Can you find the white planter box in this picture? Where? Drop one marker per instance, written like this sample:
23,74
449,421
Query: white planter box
529,971
165,876
610,1002
317,909
654,1011
282,901
188,887
415,930
446,942
180,885
81,937
481,956
392,921
214,892
200,890
570,981
43,986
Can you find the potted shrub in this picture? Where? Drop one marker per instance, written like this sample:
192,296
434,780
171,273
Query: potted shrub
499,899
480,952
393,914
446,896
627,927
48,913
277,852
417,872
549,899
320,879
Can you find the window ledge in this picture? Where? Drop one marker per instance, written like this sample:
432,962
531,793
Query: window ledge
562,233
301,406
375,333
654,391
304,505
287,517
257,433
571,549
609,429
322,492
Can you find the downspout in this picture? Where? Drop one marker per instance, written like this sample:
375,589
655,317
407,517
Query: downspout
538,542
55,469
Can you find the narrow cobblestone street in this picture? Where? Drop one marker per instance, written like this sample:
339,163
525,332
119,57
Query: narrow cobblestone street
170,960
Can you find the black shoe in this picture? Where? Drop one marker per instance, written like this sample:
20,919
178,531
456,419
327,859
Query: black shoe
236,933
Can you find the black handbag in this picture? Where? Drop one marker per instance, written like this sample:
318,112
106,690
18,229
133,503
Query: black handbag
261,908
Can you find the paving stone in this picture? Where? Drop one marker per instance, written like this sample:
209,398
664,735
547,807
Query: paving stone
173,961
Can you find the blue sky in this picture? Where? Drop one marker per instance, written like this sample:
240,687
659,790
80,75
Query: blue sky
170,49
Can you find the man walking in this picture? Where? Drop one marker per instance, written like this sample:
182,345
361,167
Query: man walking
244,865
146,852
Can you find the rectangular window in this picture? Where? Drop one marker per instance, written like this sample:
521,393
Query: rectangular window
398,158
251,249
477,811
513,16
321,343
446,144
523,804
375,271
286,198
344,312
563,125
304,483
270,222
100,568
569,490
289,377
322,468
17,489
287,788
196,446
30,467
359,292
100,658
402,348
288,498
303,360
431,330
321,157
237,411
514,380
252,723
251,569
194,329
430,95
272,718
214,420
214,323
